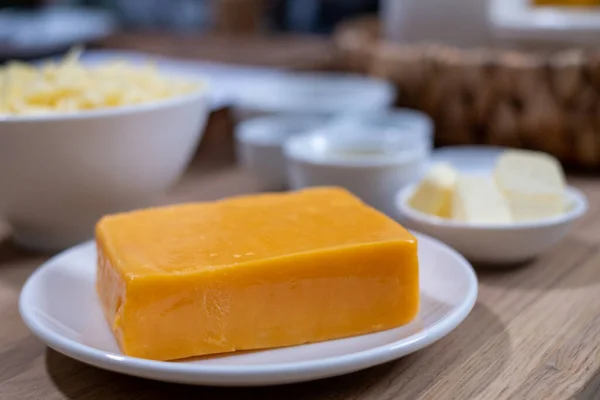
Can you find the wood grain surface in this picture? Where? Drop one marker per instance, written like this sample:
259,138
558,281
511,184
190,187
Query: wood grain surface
533,334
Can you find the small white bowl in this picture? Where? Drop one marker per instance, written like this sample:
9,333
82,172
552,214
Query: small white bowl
60,173
495,244
395,121
259,145
373,167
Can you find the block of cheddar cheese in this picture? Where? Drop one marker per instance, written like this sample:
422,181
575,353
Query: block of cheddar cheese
253,272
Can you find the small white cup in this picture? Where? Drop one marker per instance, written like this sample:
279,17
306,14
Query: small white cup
373,167
394,121
259,145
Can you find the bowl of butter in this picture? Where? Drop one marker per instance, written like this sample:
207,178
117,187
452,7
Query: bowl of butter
494,205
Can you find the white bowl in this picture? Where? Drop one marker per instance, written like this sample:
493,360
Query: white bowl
60,173
321,94
373,167
259,145
495,244
394,121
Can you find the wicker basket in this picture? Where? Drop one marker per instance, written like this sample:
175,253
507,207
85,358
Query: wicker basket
548,102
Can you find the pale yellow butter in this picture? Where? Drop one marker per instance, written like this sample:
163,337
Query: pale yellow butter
433,195
533,184
478,200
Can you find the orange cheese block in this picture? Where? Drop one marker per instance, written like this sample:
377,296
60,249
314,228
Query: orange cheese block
253,272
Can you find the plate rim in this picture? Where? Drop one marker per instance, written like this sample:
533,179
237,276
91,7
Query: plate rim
286,372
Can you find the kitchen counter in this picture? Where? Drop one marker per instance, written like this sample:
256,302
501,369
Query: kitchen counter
534,332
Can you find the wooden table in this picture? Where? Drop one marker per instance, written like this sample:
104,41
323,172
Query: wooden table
533,334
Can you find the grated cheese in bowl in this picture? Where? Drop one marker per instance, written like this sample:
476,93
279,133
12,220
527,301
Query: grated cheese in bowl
69,86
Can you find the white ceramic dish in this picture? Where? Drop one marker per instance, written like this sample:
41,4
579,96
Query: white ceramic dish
493,244
373,167
259,145
404,122
60,173
59,304
518,22
321,94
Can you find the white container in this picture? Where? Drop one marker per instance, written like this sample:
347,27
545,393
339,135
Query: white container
404,122
60,173
452,22
518,23
496,244
373,167
320,94
492,244
259,145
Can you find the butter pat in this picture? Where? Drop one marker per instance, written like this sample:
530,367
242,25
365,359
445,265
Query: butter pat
478,200
533,184
253,272
433,195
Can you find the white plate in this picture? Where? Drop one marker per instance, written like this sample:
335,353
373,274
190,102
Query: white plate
323,94
59,304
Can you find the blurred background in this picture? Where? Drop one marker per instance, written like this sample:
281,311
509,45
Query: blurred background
513,73
522,73
232,16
